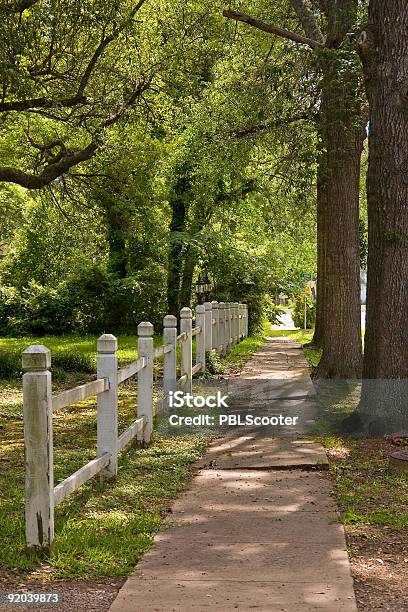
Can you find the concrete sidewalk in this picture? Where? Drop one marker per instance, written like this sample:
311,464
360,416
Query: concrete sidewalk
248,534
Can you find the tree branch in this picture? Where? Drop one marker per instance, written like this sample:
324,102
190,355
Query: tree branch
266,27
62,163
266,127
19,7
50,172
23,105
79,97
308,21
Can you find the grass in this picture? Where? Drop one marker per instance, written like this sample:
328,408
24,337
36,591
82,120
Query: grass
102,529
366,492
70,353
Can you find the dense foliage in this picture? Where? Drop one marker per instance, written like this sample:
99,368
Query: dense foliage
205,173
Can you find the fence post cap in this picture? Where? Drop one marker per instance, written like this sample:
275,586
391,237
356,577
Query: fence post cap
145,329
214,304
107,343
36,357
200,308
208,305
222,304
186,313
170,321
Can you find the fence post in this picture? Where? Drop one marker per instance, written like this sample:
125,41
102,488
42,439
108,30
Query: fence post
229,311
215,326
232,324
107,415
38,446
227,324
241,321
170,358
208,326
222,335
200,338
186,325
145,379
232,308
236,322
246,321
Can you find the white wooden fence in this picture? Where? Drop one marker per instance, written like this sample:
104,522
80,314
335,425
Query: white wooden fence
218,327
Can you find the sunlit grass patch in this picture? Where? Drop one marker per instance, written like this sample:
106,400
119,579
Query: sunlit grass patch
69,354
298,335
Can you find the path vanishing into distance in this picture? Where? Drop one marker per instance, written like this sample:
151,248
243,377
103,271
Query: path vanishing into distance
258,528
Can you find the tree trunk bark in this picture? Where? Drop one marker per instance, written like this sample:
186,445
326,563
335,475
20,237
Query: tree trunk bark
317,341
341,133
384,52
339,274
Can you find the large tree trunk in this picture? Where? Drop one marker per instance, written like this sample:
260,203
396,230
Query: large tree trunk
384,51
342,136
321,196
339,274
338,329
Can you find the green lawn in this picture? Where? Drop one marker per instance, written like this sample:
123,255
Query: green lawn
70,353
102,529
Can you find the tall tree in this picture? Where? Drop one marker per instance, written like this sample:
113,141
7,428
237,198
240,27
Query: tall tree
384,52
341,135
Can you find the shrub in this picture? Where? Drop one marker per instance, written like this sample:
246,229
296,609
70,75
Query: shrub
298,313
35,310
91,301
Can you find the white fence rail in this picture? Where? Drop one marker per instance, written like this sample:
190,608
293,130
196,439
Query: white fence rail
218,327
